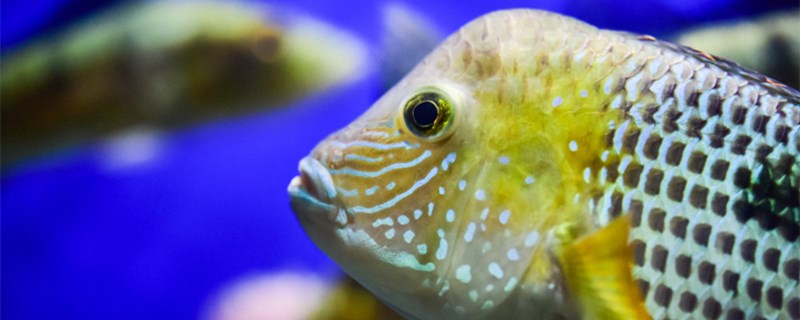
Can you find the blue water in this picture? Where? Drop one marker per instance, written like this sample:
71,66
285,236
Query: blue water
157,240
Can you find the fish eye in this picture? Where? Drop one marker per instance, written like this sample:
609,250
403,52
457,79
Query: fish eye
424,114
428,114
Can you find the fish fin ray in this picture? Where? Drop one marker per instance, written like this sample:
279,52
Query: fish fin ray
598,272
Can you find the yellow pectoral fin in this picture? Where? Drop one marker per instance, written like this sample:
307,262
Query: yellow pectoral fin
598,271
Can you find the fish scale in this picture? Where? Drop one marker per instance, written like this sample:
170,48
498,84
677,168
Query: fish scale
690,259
706,168
562,134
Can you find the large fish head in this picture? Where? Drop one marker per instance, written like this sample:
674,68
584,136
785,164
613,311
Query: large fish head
379,196
441,197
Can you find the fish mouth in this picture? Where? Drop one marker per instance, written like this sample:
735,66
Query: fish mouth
313,188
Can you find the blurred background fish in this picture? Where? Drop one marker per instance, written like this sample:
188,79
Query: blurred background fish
164,65
154,225
769,44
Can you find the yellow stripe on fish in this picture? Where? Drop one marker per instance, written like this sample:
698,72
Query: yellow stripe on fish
489,182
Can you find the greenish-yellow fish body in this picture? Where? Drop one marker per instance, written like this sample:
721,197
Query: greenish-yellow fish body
460,191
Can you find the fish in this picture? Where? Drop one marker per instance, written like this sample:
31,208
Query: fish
535,166
769,44
165,65
349,300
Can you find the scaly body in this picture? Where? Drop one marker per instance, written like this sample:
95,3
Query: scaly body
534,166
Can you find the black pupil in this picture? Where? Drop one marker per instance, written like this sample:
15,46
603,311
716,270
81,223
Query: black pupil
425,114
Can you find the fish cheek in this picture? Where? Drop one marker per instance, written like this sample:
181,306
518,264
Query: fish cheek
526,176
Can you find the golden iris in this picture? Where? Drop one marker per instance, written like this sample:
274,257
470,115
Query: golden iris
428,114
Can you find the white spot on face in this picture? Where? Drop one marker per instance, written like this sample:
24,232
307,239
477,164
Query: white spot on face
441,190
584,94
383,222
529,180
503,160
557,101
417,214
484,214
504,216
587,174
495,270
402,220
463,273
577,198
391,185
483,227
470,233
389,233
573,146
512,283
371,191
450,158
480,195
408,236
486,247
451,215
441,252
531,239
430,208
473,295
488,305
512,254
422,248
461,185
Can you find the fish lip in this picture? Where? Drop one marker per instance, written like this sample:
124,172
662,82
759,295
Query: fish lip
313,186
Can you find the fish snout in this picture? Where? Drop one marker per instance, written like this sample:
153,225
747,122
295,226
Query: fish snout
312,190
